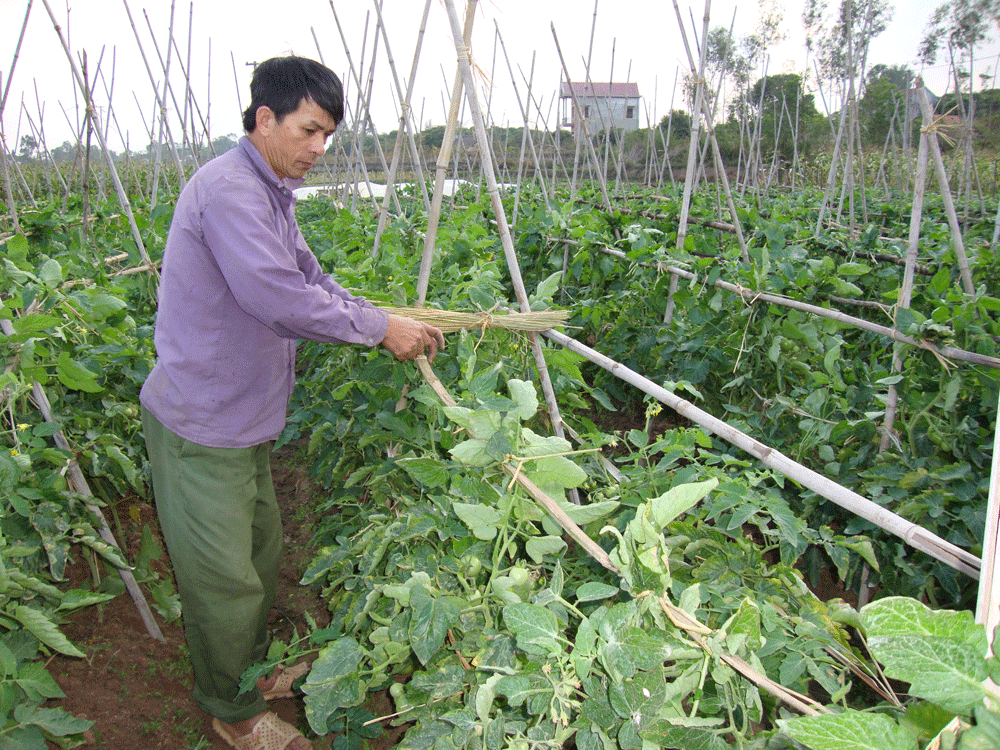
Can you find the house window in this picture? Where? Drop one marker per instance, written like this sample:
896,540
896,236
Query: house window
586,111
629,113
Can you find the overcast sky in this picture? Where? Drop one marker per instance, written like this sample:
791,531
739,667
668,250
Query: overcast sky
635,40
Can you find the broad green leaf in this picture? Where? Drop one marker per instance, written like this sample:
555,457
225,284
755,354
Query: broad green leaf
678,500
944,670
638,700
590,512
630,649
520,688
76,598
544,292
429,623
663,734
16,274
441,682
75,376
851,730
26,737
482,520
593,591
538,547
556,471
900,615
853,269
485,695
745,624
51,273
8,662
542,445
426,736
34,323
42,627
472,453
480,423
333,682
524,394
35,680
55,721
536,628
102,305
429,472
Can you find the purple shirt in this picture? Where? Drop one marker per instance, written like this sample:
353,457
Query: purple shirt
239,285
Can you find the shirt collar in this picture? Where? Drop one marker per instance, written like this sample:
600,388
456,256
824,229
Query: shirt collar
262,167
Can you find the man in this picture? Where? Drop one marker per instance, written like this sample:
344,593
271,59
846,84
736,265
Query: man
239,285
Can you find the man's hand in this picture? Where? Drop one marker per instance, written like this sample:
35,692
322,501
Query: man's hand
407,339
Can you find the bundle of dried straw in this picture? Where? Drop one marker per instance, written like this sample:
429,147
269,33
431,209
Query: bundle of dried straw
449,321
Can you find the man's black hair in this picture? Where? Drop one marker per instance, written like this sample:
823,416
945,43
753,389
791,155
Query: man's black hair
281,84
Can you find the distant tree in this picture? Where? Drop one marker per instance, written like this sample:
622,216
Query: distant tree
679,122
223,143
775,99
28,146
884,97
64,152
432,137
841,40
959,26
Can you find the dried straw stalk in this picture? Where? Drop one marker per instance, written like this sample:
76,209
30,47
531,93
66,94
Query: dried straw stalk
449,321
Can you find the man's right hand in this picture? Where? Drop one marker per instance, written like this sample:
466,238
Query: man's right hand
407,339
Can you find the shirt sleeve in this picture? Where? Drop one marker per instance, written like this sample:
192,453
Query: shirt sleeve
275,280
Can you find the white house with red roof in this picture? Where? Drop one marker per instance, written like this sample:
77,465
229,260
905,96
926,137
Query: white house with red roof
595,106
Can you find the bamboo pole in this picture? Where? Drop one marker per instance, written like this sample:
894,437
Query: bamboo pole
510,253
988,603
750,295
551,506
122,197
160,103
444,157
80,482
527,135
906,291
912,534
165,65
356,158
594,161
720,167
39,132
406,129
8,188
368,89
945,188
5,87
579,121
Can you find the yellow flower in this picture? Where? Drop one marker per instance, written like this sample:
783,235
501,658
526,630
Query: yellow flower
15,452
22,427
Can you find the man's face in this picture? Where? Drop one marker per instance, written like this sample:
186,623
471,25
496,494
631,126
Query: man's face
292,146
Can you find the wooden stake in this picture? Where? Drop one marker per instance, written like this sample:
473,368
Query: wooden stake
406,127
510,253
444,157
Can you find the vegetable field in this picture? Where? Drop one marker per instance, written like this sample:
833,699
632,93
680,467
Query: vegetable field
639,581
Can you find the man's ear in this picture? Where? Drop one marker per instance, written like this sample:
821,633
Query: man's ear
265,119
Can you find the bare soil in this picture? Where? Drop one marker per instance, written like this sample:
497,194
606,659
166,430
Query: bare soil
136,690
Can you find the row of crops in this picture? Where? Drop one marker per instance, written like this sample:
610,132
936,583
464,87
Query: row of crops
448,585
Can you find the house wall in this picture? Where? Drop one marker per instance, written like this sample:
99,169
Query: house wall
605,112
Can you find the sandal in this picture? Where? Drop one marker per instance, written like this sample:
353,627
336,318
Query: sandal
282,687
269,733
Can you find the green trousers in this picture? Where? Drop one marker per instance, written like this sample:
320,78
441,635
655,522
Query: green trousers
221,524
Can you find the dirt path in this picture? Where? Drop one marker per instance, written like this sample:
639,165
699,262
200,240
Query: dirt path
136,690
